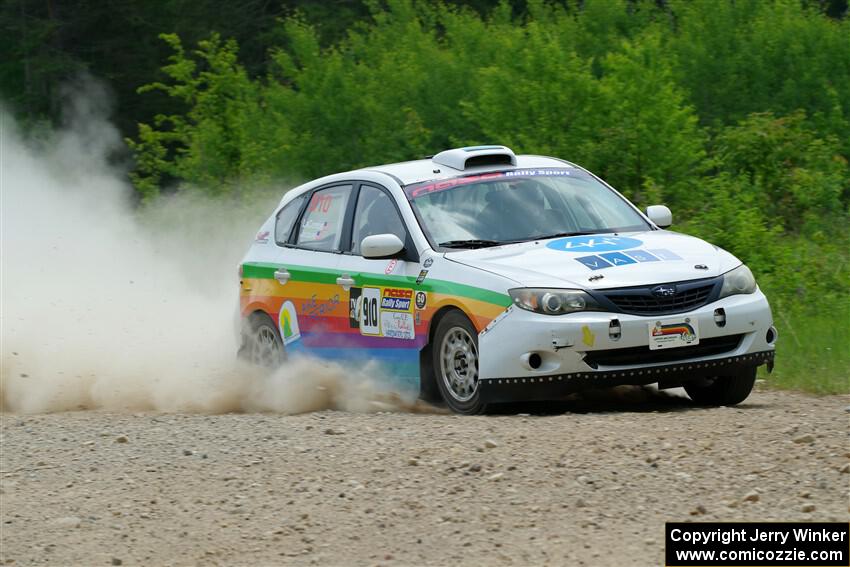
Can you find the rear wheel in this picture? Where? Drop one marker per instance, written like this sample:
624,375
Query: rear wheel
261,342
455,363
722,390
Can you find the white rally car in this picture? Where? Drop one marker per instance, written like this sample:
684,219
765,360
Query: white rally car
479,276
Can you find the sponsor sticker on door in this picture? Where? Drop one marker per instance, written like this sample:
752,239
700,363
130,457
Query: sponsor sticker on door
387,312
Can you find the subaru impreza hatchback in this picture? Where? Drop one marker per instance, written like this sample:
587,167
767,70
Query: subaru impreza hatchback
478,276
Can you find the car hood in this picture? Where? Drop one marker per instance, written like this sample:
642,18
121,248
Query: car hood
623,259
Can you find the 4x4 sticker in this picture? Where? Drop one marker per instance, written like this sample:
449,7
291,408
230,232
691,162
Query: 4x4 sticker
353,297
422,275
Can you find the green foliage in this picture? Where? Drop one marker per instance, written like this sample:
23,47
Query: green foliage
225,137
813,353
798,173
749,56
737,114
776,202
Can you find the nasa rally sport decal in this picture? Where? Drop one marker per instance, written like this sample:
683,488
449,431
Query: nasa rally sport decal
386,312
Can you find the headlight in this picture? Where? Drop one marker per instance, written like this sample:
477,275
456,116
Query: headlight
553,301
739,280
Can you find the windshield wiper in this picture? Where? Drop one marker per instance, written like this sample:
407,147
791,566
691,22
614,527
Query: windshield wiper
471,243
560,234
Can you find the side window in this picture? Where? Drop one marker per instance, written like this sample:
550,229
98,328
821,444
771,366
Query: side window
321,225
375,214
286,218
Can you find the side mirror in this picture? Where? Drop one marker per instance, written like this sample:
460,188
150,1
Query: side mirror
378,246
660,215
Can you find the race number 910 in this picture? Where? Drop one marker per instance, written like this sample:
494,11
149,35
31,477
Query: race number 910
369,317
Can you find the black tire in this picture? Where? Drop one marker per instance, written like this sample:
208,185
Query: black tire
428,390
722,390
455,364
261,342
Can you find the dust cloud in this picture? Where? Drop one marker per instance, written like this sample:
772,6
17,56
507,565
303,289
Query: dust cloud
104,307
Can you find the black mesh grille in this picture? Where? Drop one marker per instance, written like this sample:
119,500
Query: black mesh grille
643,355
641,301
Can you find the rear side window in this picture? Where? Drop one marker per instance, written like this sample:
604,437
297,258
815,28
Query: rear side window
286,219
321,224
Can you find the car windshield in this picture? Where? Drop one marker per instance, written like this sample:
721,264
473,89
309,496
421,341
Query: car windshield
514,206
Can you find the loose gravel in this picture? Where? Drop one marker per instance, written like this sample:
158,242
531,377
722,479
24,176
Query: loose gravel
581,483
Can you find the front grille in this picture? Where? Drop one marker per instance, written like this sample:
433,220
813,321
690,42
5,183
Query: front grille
643,355
641,301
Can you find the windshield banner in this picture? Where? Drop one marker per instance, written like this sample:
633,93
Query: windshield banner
427,187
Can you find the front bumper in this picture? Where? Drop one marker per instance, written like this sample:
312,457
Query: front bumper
577,351
667,375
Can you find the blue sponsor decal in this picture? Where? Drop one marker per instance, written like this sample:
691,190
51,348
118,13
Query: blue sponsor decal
614,259
593,243
606,259
665,254
594,262
617,258
395,304
642,256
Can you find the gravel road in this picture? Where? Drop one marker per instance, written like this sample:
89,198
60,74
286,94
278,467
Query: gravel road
584,483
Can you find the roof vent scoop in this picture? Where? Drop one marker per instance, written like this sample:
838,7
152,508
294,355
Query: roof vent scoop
475,156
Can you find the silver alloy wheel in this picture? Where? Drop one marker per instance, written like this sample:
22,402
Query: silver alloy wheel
265,350
459,364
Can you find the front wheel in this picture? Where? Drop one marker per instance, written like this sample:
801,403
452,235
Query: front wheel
722,390
455,364
261,342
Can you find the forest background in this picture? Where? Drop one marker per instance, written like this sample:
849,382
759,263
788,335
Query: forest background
735,113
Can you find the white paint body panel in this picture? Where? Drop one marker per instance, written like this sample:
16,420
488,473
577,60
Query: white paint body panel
534,264
520,331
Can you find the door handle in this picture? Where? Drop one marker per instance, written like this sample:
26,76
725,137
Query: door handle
281,275
345,281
